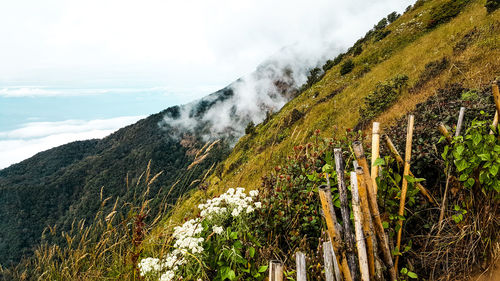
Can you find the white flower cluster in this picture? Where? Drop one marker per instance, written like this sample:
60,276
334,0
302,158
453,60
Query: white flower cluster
234,199
187,236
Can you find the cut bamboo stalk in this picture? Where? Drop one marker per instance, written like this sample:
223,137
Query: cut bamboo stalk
372,200
325,196
375,153
332,271
494,124
444,132
409,137
496,94
300,260
275,270
400,160
460,121
360,241
344,208
366,220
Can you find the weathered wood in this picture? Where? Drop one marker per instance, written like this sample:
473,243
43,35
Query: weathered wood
325,196
444,132
460,121
375,154
344,208
366,222
404,188
300,260
372,200
275,270
399,159
332,270
494,124
360,241
496,94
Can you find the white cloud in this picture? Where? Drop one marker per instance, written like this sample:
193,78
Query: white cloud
19,144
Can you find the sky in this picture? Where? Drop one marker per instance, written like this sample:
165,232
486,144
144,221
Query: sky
79,69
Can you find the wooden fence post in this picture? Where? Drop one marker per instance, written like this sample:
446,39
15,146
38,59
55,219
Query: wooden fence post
409,137
360,241
375,154
444,132
372,200
344,208
275,270
300,260
325,196
461,115
332,270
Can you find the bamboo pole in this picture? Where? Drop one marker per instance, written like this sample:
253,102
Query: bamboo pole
360,241
372,200
400,160
409,137
300,260
494,124
496,94
325,196
375,153
275,270
344,208
460,121
444,132
366,220
332,271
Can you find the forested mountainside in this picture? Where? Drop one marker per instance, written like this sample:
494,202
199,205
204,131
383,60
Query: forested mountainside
438,56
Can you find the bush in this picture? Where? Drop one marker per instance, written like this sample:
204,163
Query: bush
445,12
392,17
250,129
356,51
381,24
346,67
384,95
492,5
379,35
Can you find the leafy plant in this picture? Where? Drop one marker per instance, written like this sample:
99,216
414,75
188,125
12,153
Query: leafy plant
445,12
492,5
346,67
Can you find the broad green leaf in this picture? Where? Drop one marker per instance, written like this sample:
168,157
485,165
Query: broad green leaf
262,268
412,275
379,162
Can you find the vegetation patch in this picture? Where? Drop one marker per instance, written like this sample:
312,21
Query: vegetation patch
346,67
466,40
445,12
432,69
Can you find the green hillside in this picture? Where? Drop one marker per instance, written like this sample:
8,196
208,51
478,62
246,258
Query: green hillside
438,56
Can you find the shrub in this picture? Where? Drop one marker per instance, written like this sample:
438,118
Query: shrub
392,17
492,5
346,67
432,69
379,35
250,129
445,12
381,24
356,51
384,95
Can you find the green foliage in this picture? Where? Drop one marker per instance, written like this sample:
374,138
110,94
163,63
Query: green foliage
492,5
331,63
381,24
445,12
250,128
356,51
380,34
346,67
405,274
384,95
476,157
392,17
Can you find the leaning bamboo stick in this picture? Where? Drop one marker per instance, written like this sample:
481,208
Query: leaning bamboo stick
360,241
366,220
494,124
375,153
275,271
445,132
460,121
409,137
344,208
400,160
332,270
300,260
372,200
496,95
325,196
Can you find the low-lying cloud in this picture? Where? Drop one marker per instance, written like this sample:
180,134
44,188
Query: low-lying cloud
19,144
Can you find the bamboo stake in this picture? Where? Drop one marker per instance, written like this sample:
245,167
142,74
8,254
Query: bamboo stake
275,271
344,208
496,94
366,220
375,153
409,137
360,241
372,200
444,132
332,271
494,124
400,160
300,260
460,121
325,196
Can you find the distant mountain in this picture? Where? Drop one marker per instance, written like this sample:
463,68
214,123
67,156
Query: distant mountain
64,184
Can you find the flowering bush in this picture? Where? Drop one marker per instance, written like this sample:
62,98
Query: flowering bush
217,245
